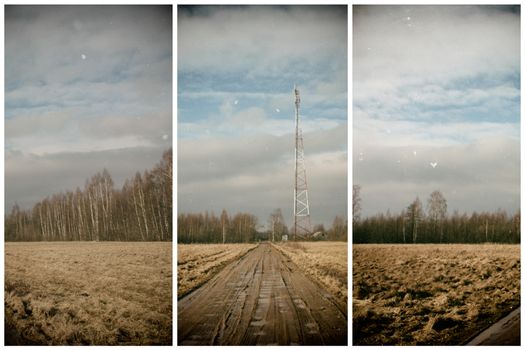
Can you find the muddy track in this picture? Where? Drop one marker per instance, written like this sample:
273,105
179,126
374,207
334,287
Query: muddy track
260,299
504,332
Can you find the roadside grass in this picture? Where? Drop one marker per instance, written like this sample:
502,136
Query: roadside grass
431,294
88,293
324,262
198,263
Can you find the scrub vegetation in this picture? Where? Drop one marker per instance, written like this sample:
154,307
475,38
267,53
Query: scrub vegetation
431,294
88,293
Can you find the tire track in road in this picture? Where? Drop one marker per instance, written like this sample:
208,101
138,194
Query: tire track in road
261,299
504,332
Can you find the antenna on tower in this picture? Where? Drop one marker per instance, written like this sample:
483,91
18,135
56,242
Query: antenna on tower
301,209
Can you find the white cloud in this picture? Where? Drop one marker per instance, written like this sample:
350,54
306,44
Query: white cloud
436,106
396,133
250,121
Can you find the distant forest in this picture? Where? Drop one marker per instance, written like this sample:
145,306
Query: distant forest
140,211
243,228
433,225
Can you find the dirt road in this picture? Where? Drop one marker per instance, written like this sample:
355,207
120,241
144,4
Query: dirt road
504,332
261,299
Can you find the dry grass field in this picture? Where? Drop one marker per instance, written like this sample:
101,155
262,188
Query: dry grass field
431,294
324,262
197,263
75,293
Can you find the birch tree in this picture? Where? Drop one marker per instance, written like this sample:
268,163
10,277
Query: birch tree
437,212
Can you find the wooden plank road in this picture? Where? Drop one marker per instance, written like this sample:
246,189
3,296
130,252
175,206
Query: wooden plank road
261,299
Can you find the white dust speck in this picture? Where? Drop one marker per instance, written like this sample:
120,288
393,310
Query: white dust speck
415,153
398,161
235,102
83,56
388,131
165,137
369,48
277,110
433,164
408,18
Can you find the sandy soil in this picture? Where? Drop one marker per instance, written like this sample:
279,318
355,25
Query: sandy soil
86,293
260,299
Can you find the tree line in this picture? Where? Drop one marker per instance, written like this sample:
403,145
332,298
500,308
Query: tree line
416,225
209,228
244,228
140,211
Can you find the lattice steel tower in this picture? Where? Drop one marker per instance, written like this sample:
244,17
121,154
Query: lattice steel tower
301,208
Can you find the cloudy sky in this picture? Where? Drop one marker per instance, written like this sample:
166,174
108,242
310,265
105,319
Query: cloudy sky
436,106
86,88
236,70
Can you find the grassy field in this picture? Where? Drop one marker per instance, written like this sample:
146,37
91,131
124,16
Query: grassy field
324,262
100,293
431,294
197,263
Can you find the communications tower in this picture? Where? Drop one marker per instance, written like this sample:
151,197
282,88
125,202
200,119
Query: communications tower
301,208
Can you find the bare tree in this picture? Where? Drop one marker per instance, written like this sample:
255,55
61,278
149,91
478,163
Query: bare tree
415,215
437,211
339,229
225,222
356,203
140,211
276,224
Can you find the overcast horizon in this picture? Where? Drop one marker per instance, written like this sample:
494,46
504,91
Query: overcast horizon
436,106
237,66
86,88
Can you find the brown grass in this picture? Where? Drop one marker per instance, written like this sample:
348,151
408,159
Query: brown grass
324,262
198,263
88,293
431,294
